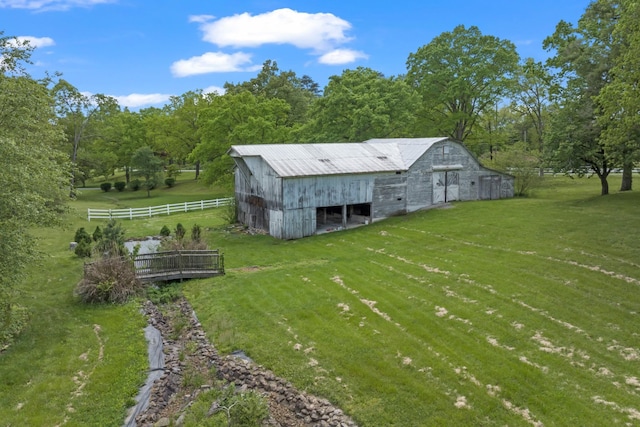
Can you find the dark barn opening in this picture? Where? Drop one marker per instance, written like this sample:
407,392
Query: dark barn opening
333,218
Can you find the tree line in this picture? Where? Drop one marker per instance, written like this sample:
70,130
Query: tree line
577,112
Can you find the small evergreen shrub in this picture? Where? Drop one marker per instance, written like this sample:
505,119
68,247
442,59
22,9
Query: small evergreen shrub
97,234
105,186
83,249
170,182
180,231
109,280
82,236
196,232
134,184
165,232
165,293
120,185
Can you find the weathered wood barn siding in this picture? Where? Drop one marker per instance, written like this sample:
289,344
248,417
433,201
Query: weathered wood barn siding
284,194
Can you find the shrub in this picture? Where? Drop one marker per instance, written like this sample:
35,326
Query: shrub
173,170
170,182
196,231
83,249
109,280
134,184
105,186
82,236
165,293
120,185
230,213
165,232
112,241
180,231
97,234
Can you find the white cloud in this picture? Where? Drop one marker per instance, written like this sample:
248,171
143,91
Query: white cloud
214,89
138,100
318,31
37,41
45,5
212,62
201,18
341,56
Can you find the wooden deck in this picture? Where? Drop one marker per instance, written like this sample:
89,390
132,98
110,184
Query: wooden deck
179,265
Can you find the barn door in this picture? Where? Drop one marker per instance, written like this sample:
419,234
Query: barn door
490,187
446,186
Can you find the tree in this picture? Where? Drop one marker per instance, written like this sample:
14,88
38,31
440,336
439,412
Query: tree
460,75
146,165
361,104
240,118
619,100
175,129
32,172
584,56
521,162
75,112
272,83
532,97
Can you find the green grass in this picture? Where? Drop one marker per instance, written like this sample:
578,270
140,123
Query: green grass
505,312
77,364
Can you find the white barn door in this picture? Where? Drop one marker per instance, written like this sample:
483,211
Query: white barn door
446,186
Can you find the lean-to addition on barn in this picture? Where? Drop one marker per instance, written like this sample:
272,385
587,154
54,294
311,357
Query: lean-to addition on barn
297,190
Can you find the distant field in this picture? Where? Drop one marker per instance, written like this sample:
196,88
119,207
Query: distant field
510,312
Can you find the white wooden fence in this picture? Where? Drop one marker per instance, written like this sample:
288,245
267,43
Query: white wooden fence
150,211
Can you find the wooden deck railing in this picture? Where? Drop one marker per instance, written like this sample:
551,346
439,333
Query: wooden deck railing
183,264
176,265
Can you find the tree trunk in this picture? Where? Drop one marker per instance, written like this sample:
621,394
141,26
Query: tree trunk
605,185
627,176
127,174
197,169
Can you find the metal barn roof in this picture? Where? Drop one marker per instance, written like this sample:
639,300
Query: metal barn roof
375,155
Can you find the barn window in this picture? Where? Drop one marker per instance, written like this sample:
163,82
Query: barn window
445,149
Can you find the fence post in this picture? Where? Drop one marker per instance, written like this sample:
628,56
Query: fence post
168,209
130,213
149,211
201,205
185,207
109,213
89,214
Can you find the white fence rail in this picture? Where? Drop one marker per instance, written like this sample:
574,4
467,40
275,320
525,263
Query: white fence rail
150,211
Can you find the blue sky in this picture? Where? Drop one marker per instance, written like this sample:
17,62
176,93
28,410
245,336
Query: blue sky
141,52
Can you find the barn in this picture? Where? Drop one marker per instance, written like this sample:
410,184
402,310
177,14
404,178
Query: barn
298,190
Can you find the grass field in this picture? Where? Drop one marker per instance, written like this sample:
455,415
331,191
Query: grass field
510,312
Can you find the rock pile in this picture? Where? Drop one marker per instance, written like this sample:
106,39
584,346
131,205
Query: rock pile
288,406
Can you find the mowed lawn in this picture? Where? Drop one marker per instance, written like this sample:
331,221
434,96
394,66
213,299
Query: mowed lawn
510,312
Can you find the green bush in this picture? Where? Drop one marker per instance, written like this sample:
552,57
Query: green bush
105,186
170,182
83,249
82,236
120,185
109,280
180,231
134,184
165,293
196,232
97,234
165,232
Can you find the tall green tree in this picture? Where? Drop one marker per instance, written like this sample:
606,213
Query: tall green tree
361,104
531,99
77,112
584,56
460,75
32,172
619,101
272,83
240,118
148,166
